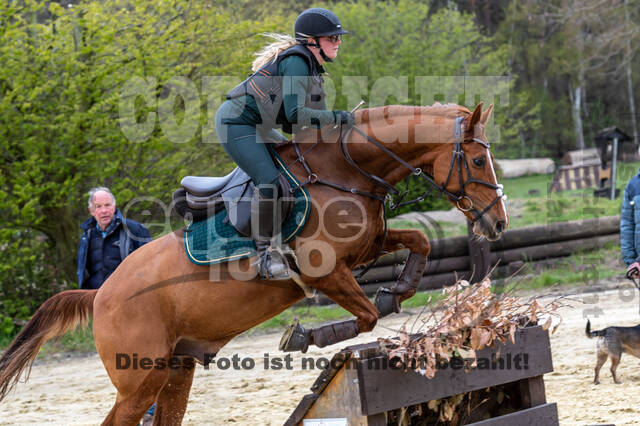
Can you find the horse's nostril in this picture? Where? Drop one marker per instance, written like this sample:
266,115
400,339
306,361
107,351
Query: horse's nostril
500,224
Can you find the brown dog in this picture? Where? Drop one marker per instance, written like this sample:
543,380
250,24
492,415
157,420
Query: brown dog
613,342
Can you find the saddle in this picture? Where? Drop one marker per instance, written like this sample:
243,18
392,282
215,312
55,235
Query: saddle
202,197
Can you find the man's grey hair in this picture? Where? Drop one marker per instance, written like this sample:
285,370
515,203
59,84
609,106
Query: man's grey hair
93,191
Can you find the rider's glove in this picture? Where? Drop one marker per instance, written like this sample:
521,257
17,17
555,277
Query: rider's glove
345,118
633,270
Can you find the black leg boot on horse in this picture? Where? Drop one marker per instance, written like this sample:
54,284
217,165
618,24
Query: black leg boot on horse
387,300
265,228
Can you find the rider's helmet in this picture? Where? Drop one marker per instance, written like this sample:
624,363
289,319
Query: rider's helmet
317,22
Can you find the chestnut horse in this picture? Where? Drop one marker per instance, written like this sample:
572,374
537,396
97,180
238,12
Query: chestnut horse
163,308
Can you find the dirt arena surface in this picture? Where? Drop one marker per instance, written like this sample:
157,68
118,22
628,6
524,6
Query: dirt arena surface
77,391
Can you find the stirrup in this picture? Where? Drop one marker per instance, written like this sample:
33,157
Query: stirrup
274,271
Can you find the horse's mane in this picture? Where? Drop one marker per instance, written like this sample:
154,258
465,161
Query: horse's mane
437,109
370,115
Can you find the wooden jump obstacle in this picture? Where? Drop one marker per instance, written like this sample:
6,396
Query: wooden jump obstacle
580,169
578,177
357,389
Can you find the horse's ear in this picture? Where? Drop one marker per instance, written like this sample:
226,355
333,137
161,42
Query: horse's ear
475,117
486,115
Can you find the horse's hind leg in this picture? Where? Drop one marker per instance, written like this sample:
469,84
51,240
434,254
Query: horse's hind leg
129,409
172,401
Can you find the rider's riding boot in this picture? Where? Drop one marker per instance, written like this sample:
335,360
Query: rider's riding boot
265,227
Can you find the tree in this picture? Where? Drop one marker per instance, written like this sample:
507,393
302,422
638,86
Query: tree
597,37
120,94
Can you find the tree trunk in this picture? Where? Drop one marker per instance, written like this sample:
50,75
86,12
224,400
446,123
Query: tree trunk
632,103
632,106
576,101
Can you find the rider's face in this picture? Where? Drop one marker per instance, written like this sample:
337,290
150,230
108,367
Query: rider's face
330,46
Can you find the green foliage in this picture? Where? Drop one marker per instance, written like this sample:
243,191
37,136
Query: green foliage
392,43
77,87
26,278
417,188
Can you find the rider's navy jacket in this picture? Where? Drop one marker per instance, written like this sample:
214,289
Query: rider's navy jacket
99,256
630,221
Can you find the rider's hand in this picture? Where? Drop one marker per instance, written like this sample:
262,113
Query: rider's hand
345,118
633,270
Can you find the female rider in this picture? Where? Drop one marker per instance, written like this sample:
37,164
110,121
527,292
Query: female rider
286,90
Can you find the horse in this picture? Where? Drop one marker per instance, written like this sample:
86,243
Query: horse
159,314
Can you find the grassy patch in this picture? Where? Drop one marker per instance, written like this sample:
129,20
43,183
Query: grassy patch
79,341
582,268
519,188
563,207
309,315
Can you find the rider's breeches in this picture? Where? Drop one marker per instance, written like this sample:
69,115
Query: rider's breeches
247,148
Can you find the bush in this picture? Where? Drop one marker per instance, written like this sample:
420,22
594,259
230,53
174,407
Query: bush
25,280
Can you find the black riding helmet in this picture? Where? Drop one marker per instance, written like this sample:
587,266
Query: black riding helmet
317,22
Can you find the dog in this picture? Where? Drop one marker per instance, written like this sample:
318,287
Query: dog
613,342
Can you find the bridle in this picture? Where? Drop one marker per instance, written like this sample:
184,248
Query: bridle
458,161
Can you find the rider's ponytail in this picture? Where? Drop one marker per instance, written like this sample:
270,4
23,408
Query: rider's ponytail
271,51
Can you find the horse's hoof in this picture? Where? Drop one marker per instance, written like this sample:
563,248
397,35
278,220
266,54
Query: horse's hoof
386,302
295,338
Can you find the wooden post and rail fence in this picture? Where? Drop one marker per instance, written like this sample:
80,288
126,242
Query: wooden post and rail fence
467,258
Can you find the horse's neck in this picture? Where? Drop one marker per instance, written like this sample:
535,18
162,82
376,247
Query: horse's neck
418,135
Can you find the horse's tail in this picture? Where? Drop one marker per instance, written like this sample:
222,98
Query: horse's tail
59,314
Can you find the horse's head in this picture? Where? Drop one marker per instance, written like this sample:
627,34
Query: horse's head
465,171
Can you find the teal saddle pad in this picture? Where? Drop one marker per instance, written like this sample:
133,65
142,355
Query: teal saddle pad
214,240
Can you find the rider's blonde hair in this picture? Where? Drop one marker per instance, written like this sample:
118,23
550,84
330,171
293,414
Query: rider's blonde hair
271,51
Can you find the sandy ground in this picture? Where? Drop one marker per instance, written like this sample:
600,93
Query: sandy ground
77,390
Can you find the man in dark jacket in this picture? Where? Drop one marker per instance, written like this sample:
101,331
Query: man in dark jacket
106,240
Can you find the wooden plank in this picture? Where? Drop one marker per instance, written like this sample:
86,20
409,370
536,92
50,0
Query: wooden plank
383,389
340,398
377,420
302,408
557,249
532,392
554,232
542,415
327,374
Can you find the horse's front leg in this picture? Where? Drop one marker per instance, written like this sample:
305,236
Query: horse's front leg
341,287
388,300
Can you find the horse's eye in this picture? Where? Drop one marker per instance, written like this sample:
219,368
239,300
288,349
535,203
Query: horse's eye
479,162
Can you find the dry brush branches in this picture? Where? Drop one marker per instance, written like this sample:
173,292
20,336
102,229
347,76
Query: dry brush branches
467,319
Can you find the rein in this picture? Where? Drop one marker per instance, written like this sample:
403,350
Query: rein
457,159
